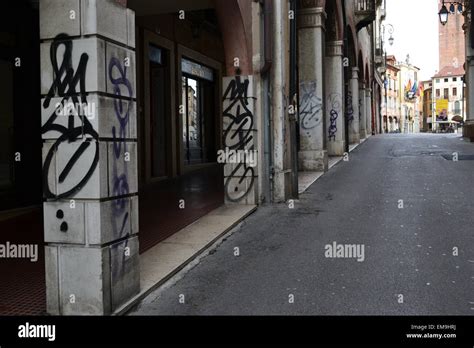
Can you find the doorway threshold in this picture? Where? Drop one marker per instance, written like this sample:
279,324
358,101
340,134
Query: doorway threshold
164,260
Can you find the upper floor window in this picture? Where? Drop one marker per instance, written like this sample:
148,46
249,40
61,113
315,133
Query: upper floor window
457,107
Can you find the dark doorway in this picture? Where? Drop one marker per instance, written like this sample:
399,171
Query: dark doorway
22,288
180,179
20,118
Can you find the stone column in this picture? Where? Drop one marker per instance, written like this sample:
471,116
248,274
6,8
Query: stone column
334,99
368,109
89,129
352,103
468,128
240,140
362,110
279,102
313,155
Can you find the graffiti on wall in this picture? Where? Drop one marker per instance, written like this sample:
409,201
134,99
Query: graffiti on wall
349,107
238,136
311,112
75,138
334,104
122,108
66,82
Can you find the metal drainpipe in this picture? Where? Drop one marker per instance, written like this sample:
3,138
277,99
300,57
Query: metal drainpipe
265,75
294,124
347,78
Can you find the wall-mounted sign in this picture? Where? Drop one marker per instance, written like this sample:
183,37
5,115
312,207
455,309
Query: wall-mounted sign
197,70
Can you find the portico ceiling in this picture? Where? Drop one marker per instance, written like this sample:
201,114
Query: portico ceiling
154,7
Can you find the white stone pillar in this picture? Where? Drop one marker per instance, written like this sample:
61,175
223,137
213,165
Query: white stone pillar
352,103
468,128
313,155
334,72
362,110
279,102
368,109
240,139
89,129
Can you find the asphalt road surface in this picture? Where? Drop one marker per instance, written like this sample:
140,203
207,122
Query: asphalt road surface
410,209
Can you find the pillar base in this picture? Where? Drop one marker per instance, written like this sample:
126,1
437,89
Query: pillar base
313,161
337,148
110,278
354,138
468,131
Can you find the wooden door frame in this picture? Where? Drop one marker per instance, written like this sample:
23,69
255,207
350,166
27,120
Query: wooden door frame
184,52
154,39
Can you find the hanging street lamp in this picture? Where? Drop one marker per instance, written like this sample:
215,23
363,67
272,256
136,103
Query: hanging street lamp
454,6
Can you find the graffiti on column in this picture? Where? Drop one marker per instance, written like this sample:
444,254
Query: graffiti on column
65,83
310,106
122,107
238,136
349,107
334,102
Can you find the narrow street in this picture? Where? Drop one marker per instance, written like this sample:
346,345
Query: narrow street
408,249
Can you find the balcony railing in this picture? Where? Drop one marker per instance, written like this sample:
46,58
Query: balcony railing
364,13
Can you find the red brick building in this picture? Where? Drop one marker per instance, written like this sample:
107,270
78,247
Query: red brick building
451,41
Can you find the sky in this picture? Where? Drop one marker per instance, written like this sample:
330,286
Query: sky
415,24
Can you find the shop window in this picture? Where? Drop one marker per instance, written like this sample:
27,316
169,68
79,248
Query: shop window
198,116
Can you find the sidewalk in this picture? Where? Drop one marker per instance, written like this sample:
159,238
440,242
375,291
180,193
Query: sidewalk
164,260
306,179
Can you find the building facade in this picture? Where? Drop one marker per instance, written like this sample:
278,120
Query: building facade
410,105
448,97
427,99
391,97
153,114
